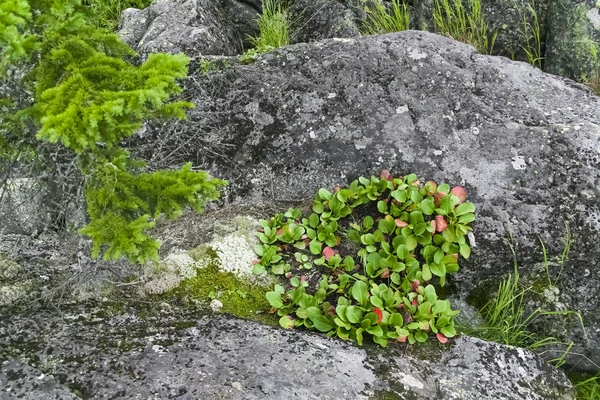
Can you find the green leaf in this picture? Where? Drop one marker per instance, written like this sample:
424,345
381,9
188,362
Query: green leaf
427,206
359,292
324,194
274,299
315,247
359,336
313,312
402,252
318,208
353,314
258,269
382,206
368,222
438,269
322,323
426,274
313,220
464,208
286,322
443,188
375,330
438,256
277,269
376,301
467,218
465,250
396,320
295,281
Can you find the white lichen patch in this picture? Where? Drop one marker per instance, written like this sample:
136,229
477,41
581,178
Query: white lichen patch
235,254
12,294
176,267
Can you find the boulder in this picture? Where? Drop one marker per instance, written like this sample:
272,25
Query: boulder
195,27
244,16
525,145
322,19
88,354
573,42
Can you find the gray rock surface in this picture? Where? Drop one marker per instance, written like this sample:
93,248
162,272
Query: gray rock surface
87,354
195,27
524,143
573,43
321,19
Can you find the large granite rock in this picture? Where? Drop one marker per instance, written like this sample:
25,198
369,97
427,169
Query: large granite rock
525,144
322,19
195,27
86,354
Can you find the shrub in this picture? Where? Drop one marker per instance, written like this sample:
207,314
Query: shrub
89,98
366,260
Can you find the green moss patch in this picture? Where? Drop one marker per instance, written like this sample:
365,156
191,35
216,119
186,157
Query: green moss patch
240,298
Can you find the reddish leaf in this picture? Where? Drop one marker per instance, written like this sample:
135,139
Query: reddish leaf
432,222
379,314
402,339
385,273
254,262
414,285
328,253
400,223
385,174
431,186
459,192
442,338
440,223
279,232
415,302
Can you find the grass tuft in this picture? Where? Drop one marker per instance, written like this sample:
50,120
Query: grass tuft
273,25
505,314
465,24
108,12
587,389
381,19
531,34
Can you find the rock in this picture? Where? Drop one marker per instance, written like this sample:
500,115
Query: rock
321,19
573,42
195,27
219,356
523,143
244,15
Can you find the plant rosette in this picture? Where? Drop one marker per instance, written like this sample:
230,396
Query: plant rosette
369,258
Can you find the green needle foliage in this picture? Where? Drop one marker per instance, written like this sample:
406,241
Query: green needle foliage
383,20
89,98
463,23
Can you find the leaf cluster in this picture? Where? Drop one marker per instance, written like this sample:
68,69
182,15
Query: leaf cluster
385,288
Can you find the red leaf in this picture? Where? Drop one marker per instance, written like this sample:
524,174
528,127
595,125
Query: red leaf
328,253
400,223
442,338
385,174
415,302
254,262
440,223
414,285
402,339
385,273
459,192
379,314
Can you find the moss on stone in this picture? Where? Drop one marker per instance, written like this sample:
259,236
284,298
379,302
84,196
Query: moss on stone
8,268
240,298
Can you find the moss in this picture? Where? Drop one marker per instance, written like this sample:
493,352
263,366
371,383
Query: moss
239,298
